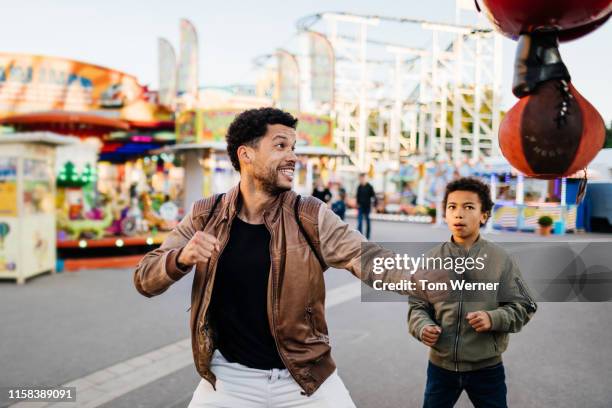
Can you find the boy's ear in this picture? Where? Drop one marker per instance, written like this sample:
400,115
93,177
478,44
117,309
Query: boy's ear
485,217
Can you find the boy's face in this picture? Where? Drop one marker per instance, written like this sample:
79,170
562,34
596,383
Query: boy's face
464,214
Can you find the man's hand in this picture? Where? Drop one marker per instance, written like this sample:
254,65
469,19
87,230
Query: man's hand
480,321
440,277
198,249
430,335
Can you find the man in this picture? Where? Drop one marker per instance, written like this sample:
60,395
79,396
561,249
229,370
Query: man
365,195
259,335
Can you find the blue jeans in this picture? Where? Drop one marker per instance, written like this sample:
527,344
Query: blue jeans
361,214
485,387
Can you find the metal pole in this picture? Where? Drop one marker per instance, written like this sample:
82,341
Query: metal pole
476,131
496,97
363,109
493,187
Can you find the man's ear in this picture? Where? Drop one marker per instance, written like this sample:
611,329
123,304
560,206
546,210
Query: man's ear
244,154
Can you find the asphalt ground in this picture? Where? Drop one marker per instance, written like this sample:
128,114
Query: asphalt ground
61,327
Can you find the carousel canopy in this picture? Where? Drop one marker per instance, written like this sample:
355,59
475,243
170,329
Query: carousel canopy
65,122
47,138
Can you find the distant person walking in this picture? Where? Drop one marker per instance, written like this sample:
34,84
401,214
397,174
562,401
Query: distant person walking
321,192
365,196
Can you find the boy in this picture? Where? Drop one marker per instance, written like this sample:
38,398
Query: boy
467,337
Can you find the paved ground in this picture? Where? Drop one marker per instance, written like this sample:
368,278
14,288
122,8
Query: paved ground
57,329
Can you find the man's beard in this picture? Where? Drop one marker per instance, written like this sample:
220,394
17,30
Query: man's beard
269,181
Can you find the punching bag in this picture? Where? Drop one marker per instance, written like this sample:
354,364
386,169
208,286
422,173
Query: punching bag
552,131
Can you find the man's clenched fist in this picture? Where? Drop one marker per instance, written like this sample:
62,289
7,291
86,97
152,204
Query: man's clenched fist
198,249
430,335
480,321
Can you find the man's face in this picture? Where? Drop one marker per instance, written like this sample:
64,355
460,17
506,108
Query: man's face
272,161
464,213
362,180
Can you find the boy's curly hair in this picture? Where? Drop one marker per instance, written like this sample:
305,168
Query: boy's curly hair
251,125
474,185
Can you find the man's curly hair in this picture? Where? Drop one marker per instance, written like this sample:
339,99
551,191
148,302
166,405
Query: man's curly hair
251,125
474,185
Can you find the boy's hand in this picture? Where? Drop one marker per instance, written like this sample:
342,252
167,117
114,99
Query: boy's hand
480,321
430,335
198,249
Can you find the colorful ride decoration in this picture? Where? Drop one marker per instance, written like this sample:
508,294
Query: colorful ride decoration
69,177
79,228
36,83
552,131
152,217
4,230
76,198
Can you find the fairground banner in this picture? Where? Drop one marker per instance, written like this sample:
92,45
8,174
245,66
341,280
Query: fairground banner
322,76
188,60
31,83
167,72
288,92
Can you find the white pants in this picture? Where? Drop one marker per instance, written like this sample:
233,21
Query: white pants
239,386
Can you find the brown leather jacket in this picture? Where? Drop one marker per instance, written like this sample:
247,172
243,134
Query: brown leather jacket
296,291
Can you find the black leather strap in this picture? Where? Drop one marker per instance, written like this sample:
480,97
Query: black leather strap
537,60
212,210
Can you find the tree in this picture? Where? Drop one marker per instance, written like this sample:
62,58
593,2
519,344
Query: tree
69,177
608,143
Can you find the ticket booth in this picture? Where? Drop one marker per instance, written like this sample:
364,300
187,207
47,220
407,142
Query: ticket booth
27,203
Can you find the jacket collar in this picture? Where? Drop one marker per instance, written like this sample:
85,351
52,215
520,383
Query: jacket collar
233,204
475,246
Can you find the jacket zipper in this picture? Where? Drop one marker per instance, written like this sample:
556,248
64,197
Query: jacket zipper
309,314
280,353
212,281
459,317
525,294
459,314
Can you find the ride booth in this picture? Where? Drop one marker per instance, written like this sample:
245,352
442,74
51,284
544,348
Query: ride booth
520,201
27,203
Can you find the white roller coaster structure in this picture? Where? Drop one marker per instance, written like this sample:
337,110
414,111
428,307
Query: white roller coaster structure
394,101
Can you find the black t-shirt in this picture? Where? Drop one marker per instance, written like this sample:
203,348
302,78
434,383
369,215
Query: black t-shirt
323,195
240,297
365,194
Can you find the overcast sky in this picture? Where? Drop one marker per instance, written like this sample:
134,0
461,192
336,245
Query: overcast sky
123,35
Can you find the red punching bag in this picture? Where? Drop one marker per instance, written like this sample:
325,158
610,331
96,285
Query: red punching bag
552,131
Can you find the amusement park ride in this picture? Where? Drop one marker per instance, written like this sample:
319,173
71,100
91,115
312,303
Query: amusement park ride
394,100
